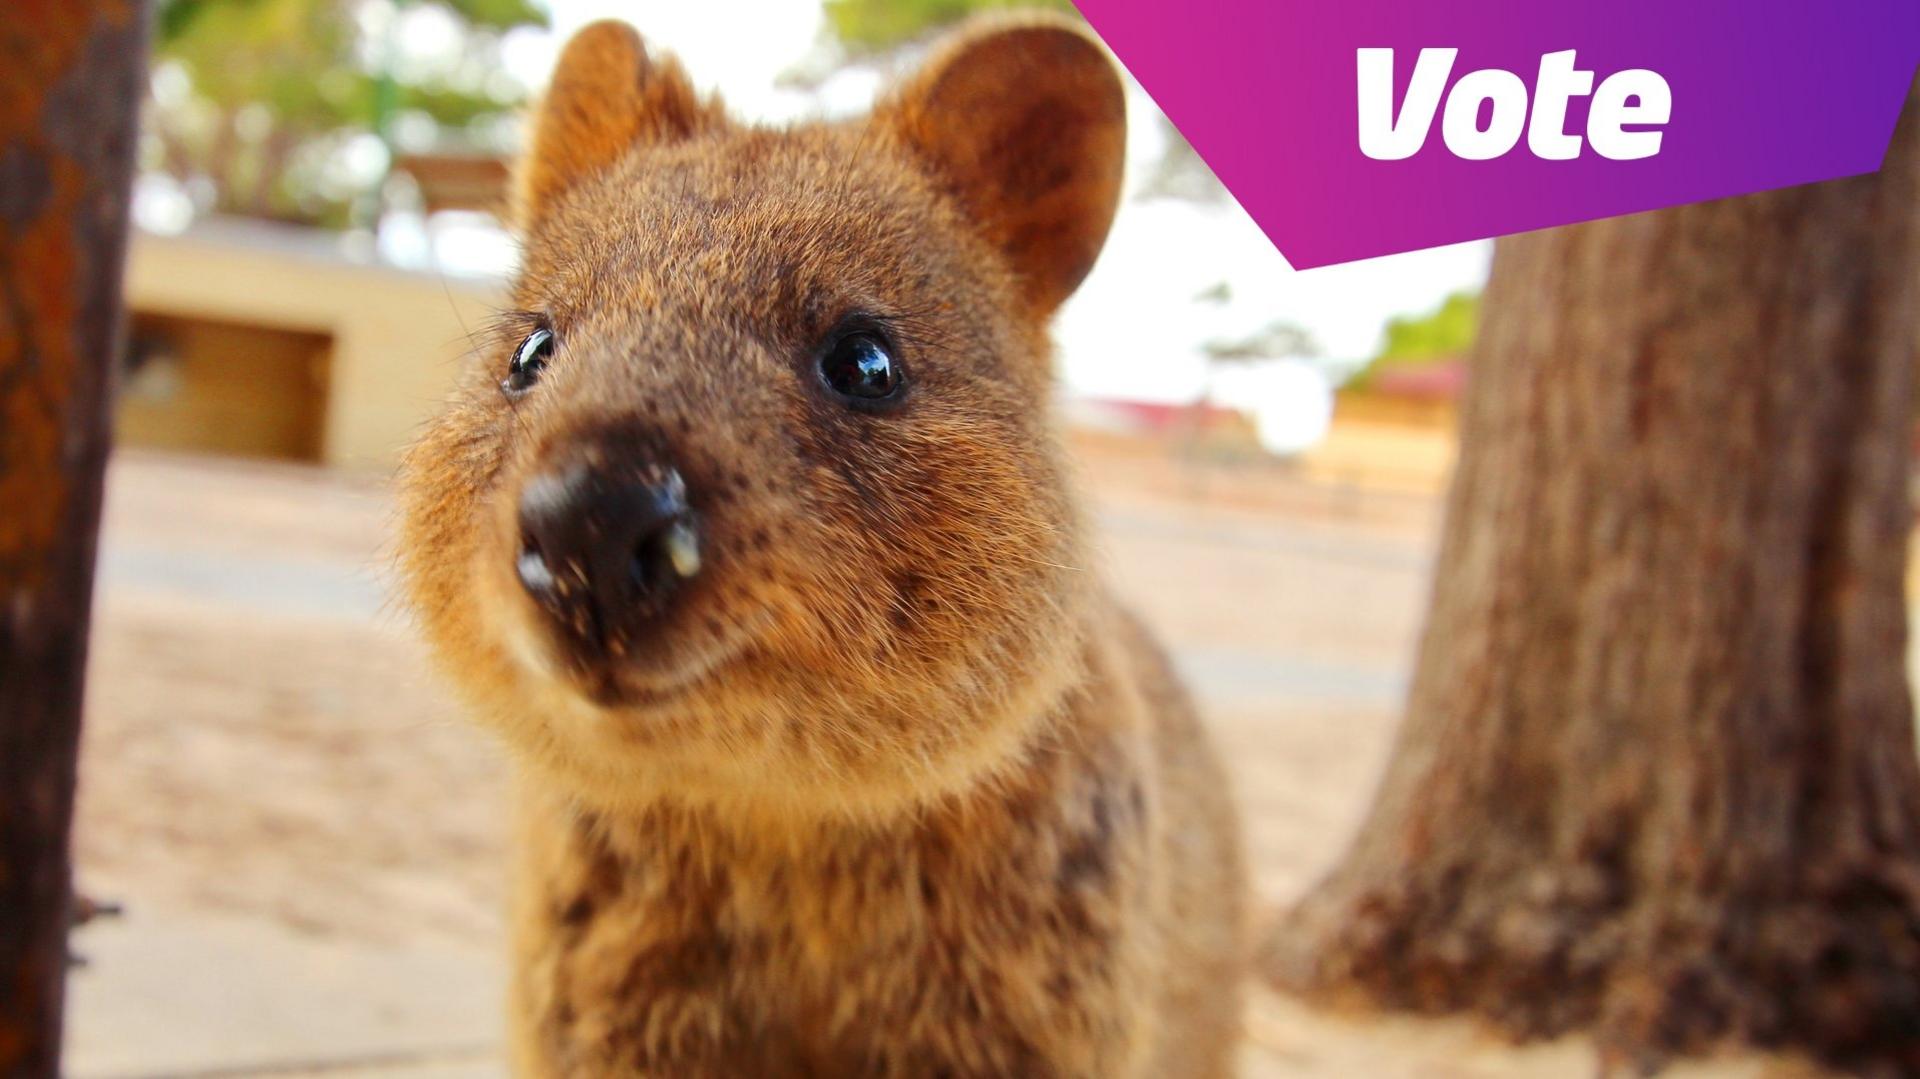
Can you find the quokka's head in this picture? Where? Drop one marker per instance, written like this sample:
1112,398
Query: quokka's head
755,493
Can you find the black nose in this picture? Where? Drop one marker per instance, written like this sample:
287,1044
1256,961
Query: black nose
603,549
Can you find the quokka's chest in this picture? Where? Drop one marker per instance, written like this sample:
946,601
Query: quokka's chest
834,907
839,966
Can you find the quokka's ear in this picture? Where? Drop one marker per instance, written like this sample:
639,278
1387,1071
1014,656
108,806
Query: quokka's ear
1024,121
607,97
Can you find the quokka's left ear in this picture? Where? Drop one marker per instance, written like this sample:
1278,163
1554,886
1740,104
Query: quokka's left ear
1023,120
608,96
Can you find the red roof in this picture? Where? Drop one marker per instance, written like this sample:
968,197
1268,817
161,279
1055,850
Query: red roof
1441,380
1159,416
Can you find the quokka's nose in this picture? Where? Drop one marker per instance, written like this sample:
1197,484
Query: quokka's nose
600,551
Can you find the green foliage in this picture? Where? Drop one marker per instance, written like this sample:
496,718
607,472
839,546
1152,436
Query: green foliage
873,25
177,17
274,91
1444,333
497,14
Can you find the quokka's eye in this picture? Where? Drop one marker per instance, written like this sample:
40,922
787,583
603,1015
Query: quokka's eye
860,367
529,359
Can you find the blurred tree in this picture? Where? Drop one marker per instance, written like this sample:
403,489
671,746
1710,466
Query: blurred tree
873,25
1658,773
1181,173
1444,333
1277,340
260,105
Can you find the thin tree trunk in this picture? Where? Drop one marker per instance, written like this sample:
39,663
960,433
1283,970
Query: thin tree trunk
68,94
1658,771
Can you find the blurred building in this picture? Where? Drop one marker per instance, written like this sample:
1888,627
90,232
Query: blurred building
1196,424
1394,432
255,339
1418,395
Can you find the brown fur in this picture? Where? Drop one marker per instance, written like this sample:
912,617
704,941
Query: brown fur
894,788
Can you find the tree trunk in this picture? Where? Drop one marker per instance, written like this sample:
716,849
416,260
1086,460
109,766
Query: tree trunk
1658,771
68,91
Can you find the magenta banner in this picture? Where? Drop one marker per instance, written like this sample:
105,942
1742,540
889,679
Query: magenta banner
1350,130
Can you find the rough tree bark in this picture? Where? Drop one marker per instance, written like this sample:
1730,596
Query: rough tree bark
1657,775
70,73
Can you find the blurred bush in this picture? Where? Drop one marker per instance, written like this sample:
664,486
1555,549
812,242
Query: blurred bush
1445,333
882,24
292,109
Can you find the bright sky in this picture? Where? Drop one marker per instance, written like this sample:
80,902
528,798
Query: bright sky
1136,327
735,46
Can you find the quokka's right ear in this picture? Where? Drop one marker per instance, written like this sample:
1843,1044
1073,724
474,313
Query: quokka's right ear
1024,120
607,98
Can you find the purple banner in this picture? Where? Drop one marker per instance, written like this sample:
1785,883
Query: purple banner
1664,103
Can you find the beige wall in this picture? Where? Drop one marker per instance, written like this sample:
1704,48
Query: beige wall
397,335
222,387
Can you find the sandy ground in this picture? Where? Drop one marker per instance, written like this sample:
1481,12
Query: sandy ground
307,838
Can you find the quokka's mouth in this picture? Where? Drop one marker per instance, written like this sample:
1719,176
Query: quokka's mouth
674,674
